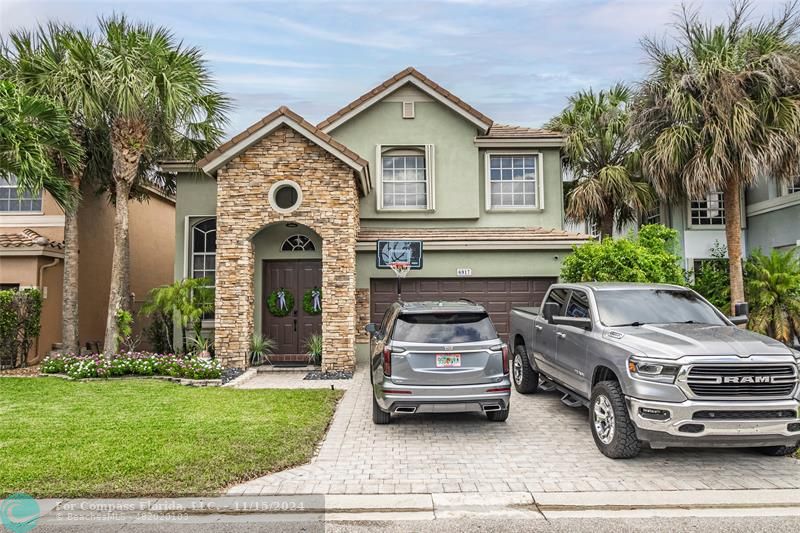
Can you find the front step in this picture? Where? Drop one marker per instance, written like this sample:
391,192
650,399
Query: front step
547,386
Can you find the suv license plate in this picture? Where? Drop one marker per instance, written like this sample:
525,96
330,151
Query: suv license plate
448,360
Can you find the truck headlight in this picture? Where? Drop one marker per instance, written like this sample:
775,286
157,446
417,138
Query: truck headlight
653,370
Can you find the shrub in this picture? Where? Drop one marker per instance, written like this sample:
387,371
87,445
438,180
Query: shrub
261,348
131,364
773,287
314,348
20,322
649,256
712,279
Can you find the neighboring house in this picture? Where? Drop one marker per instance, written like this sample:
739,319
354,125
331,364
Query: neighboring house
289,205
771,220
32,252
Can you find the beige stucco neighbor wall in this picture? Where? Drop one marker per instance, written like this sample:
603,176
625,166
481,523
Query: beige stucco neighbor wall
329,207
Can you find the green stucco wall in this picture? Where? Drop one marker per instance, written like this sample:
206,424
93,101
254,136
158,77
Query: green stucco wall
458,168
443,264
196,197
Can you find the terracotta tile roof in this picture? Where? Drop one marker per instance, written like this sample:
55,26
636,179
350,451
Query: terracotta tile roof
25,238
534,233
504,131
410,71
282,111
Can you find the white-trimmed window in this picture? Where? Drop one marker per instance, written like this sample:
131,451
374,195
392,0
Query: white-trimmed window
794,186
406,177
203,249
709,210
15,200
653,216
512,181
298,243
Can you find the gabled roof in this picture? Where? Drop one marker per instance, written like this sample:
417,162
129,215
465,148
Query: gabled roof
283,116
29,242
422,82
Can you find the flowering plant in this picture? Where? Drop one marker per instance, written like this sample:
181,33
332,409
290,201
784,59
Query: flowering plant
131,364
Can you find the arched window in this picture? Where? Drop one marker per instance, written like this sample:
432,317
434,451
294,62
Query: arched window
298,243
204,249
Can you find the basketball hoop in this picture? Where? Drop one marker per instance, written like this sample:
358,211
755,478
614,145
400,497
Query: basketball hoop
400,268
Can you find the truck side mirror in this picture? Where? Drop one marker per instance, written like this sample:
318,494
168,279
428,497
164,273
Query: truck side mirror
549,309
740,314
371,328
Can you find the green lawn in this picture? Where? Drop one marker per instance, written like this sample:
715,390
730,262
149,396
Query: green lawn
125,438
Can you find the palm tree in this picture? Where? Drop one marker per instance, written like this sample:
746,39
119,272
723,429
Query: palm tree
602,156
32,129
721,109
773,286
158,100
56,62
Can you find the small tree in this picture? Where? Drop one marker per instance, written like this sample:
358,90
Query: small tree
773,288
188,301
649,256
712,278
20,323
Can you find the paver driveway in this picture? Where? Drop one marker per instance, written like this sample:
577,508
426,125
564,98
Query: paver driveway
544,446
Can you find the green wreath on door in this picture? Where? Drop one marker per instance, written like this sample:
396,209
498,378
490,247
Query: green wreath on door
278,308
312,301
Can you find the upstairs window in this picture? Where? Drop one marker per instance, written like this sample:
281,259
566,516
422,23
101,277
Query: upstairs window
512,181
708,211
406,179
15,200
794,186
653,216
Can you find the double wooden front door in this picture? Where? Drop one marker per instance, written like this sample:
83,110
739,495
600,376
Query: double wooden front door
291,331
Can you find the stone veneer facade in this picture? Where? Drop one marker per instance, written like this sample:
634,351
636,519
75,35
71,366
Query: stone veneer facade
329,207
363,314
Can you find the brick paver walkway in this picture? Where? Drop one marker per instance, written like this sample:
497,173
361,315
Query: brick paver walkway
544,446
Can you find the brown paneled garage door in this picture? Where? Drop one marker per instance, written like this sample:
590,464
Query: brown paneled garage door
497,295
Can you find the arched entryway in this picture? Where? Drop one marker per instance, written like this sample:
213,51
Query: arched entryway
288,271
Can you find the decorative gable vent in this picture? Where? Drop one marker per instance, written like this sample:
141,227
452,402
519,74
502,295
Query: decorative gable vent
408,109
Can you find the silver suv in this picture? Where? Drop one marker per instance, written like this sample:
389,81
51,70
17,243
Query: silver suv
438,357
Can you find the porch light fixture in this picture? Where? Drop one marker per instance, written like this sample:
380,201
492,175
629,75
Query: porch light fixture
291,224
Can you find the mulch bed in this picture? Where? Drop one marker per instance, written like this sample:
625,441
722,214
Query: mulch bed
338,374
229,374
27,371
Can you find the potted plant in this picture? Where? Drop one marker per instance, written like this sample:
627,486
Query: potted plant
260,349
201,347
314,349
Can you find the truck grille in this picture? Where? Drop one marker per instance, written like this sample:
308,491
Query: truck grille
742,380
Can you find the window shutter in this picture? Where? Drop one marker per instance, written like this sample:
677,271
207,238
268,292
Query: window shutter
430,154
408,109
379,173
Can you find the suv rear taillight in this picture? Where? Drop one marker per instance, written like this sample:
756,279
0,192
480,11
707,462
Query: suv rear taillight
504,349
387,361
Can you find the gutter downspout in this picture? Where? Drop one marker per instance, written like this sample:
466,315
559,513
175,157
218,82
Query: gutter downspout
39,283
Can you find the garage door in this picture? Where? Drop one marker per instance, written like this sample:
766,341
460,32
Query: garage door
497,295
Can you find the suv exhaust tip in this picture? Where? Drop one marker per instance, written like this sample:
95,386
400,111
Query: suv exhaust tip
488,408
405,410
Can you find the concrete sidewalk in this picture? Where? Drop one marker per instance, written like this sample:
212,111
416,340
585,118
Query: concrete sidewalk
391,507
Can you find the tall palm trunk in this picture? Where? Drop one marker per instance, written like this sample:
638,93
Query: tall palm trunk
70,319
733,234
607,221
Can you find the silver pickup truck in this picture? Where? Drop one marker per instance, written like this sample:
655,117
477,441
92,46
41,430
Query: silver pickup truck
657,364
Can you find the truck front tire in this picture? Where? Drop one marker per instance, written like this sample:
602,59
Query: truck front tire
612,429
778,451
526,379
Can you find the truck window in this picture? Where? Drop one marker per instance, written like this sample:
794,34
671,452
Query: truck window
637,307
578,306
447,328
558,296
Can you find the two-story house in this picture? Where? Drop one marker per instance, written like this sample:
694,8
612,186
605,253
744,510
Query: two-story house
770,220
32,255
288,208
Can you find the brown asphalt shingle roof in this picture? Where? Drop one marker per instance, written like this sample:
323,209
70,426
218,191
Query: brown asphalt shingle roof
504,131
282,111
410,71
25,238
534,233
